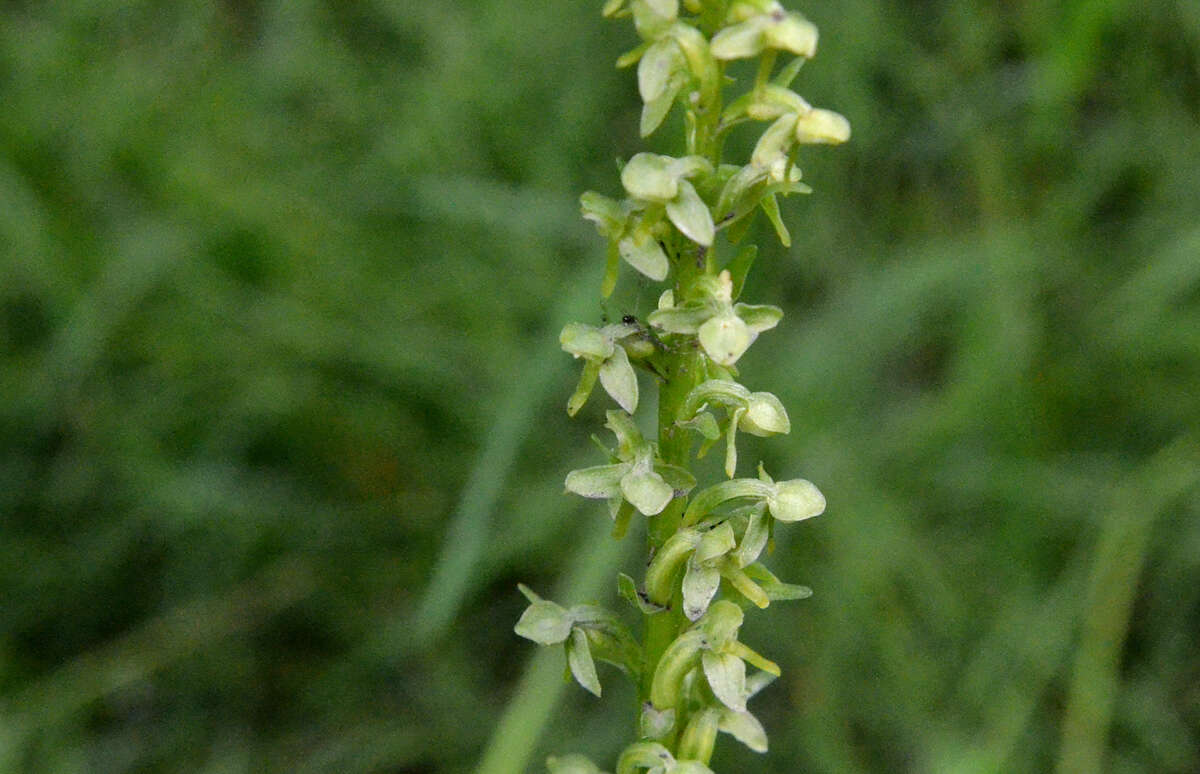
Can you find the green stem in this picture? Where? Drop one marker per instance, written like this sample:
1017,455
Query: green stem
765,66
683,370
675,448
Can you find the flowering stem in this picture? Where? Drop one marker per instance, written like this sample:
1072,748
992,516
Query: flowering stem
689,667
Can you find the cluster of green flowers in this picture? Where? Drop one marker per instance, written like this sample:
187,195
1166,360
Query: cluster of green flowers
689,666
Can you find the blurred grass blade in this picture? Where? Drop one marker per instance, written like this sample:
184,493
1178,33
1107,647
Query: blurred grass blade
154,645
469,531
1119,557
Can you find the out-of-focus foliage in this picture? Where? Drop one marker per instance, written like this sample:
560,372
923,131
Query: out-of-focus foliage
282,420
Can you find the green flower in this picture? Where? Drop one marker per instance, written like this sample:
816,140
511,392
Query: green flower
605,357
637,477
820,126
654,179
757,413
662,74
772,170
764,25
725,547
711,644
814,126
700,735
787,501
754,186
725,330
631,236
581,629
657,186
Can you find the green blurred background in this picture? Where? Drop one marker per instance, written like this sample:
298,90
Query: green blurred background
281,399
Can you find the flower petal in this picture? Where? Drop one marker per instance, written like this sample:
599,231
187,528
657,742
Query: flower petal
579,659
745,728
765,415
645,755
583,340
725,338
599,482
646,491
754,539
775,589
649,176
690,215
775,142
666,8
792,33
820,126
606,213
619,380
652,18
718,541
681,319
545,623
796,500
699,586
587,380
660,62
726,675
679,479
643,253
759,317
690,166
655,111
630,442
628,590
741,41
722,622
655,723
731,455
